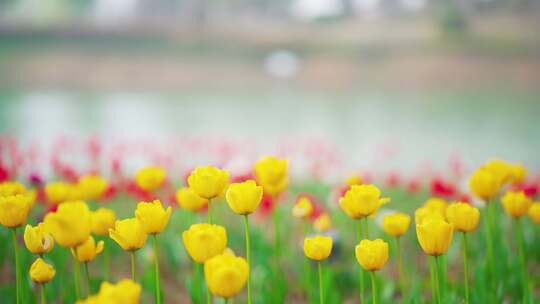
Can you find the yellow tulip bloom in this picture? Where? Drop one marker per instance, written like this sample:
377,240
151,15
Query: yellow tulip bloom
102,220
436,204
150,178
396,224
124,292
204,241
361,201
153,216
534,213
318,248
322,223
14,209
518,173
88,250
354,180
463,217
41,272
516,204
70,224
303,208
485,184
271,173
500,168
37,240
189,200
208,182
59,192
434,235
372,255
92,187
244,198
422,213
11,188
226,275
129,234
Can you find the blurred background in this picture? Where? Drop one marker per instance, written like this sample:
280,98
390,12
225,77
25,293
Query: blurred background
337,85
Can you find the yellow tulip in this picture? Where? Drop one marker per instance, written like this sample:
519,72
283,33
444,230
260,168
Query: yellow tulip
422,213
70,224
37,240
500,168
322,223
92,187
124,292
518,173
436,204
88,250
354,180
14,209
129,234
372,255
396,224
361,201
189,200
11,188
204,241
208,182
303,208
485,184
434,235
271,173
150,178
318,247
102,220
41,272
516,204
59,192
244,198
226,275
153,216
463,217
534,213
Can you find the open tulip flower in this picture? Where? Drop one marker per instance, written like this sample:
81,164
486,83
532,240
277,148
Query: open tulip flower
208,182
85,253
154,219
226,275
131,236
92,187
189,200
42,273
150,178
37,240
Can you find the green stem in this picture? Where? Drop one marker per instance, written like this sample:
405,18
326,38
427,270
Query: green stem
400,269
522,259
248,256
277,240
360,271
106,263
209,212
489,240
442,275
208,296
156,270
77,275
437,282
226,300
321,289
87,274
366,228
307,269
434,279
373,287
17,266
132,265
465,266
43,295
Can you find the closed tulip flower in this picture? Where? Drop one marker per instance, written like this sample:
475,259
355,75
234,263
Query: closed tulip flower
204,241
129,234
226,275
70,225
14,209
41,272
88,250
153,216
318,248
422,213
322,223
244,198
500,168
11,188
92,187
372,255
436,204
208,182
189,200
102,220
150,178
463,217
534,213
516,204
37,240
302,208
271,173
396,224
434,235
361,201
58,192
124,292
485,184
518,173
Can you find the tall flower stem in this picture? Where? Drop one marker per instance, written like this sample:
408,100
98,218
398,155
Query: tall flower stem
77,275
248,256
87,274
209,211
43,295
373,287
156,270
465,266
400,269
321,289
442,275
17,266
307,269
132,265
361,272
106,263
489,240
433,269
522,259
366,228
208,293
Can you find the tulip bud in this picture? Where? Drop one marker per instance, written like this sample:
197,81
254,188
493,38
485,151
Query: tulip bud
14,209
318,248
204,241
361,201
208,182
396,224
102,220
303,207
372,255
271,173
88,250
485,184
92,187
41,272
226,275
534,213
189,200
434,235
129,234
463,217
244,198
153,216
125,292
516,204
150,178
322,223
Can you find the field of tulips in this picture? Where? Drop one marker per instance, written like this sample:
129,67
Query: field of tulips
264,236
